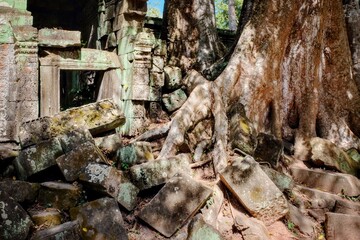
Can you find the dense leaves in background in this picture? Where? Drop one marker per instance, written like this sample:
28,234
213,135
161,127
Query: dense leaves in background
222,12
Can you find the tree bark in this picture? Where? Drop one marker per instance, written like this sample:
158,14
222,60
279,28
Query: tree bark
291,69
191,33
232,15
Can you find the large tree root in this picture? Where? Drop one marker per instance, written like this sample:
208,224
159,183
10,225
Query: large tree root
204,100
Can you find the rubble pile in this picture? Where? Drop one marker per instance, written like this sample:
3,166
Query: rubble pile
75,177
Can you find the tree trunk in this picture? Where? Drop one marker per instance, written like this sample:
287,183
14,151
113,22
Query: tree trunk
191,34
232,15
291,69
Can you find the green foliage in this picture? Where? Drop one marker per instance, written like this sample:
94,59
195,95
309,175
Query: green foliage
222,15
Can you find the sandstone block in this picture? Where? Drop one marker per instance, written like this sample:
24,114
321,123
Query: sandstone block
48,218
37,158
59,38
347,207
20,191
268,149
97,117
304,223
58,195
100,219
113,182
158,171
242,134
157,79
15,223
174,100
336,183
66,231
158,64
281,180
135,153
342,226
254,190
199,229
74,162
325,153
110,143
74,138
177,201
173,77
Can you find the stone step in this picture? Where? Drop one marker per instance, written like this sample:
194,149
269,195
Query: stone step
342,226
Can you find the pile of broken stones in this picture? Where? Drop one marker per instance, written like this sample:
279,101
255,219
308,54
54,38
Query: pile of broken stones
76,178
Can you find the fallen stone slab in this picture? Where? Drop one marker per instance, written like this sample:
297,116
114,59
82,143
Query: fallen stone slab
303,223
135,153
20,191
15,223
347,207
109,144
175,203
37,158
268,149
336,183
281,180
255,190
342,226
47,218
97,117
65,231
74,162
59,195
325,153
100,219
59,38
74,138
157,172
199,229
113,182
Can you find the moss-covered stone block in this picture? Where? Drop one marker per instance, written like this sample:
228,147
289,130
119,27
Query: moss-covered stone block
174,100
100,219
38,158
135,153
73,163
15,223
59,195
159,171
173,77
59,38
112,181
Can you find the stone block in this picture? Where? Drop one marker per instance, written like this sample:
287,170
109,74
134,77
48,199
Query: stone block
74,138
15,222
254,190
100,219
174,100
176,202
111,41
129,6
158,171
155,94
59,38
199,229
127,31
347,207
24,110
136,92
37,158
268,149
48,218
140,76
135,153
59,195
74,162
110,11
281,180
113,182
325,153
305,224
25,33
65,231
134,109
110,143
157,79
160,48
126,45
173,77
6,31
342,226
156,113
158,64
336,183
134,126
97,117
20,191
242,134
